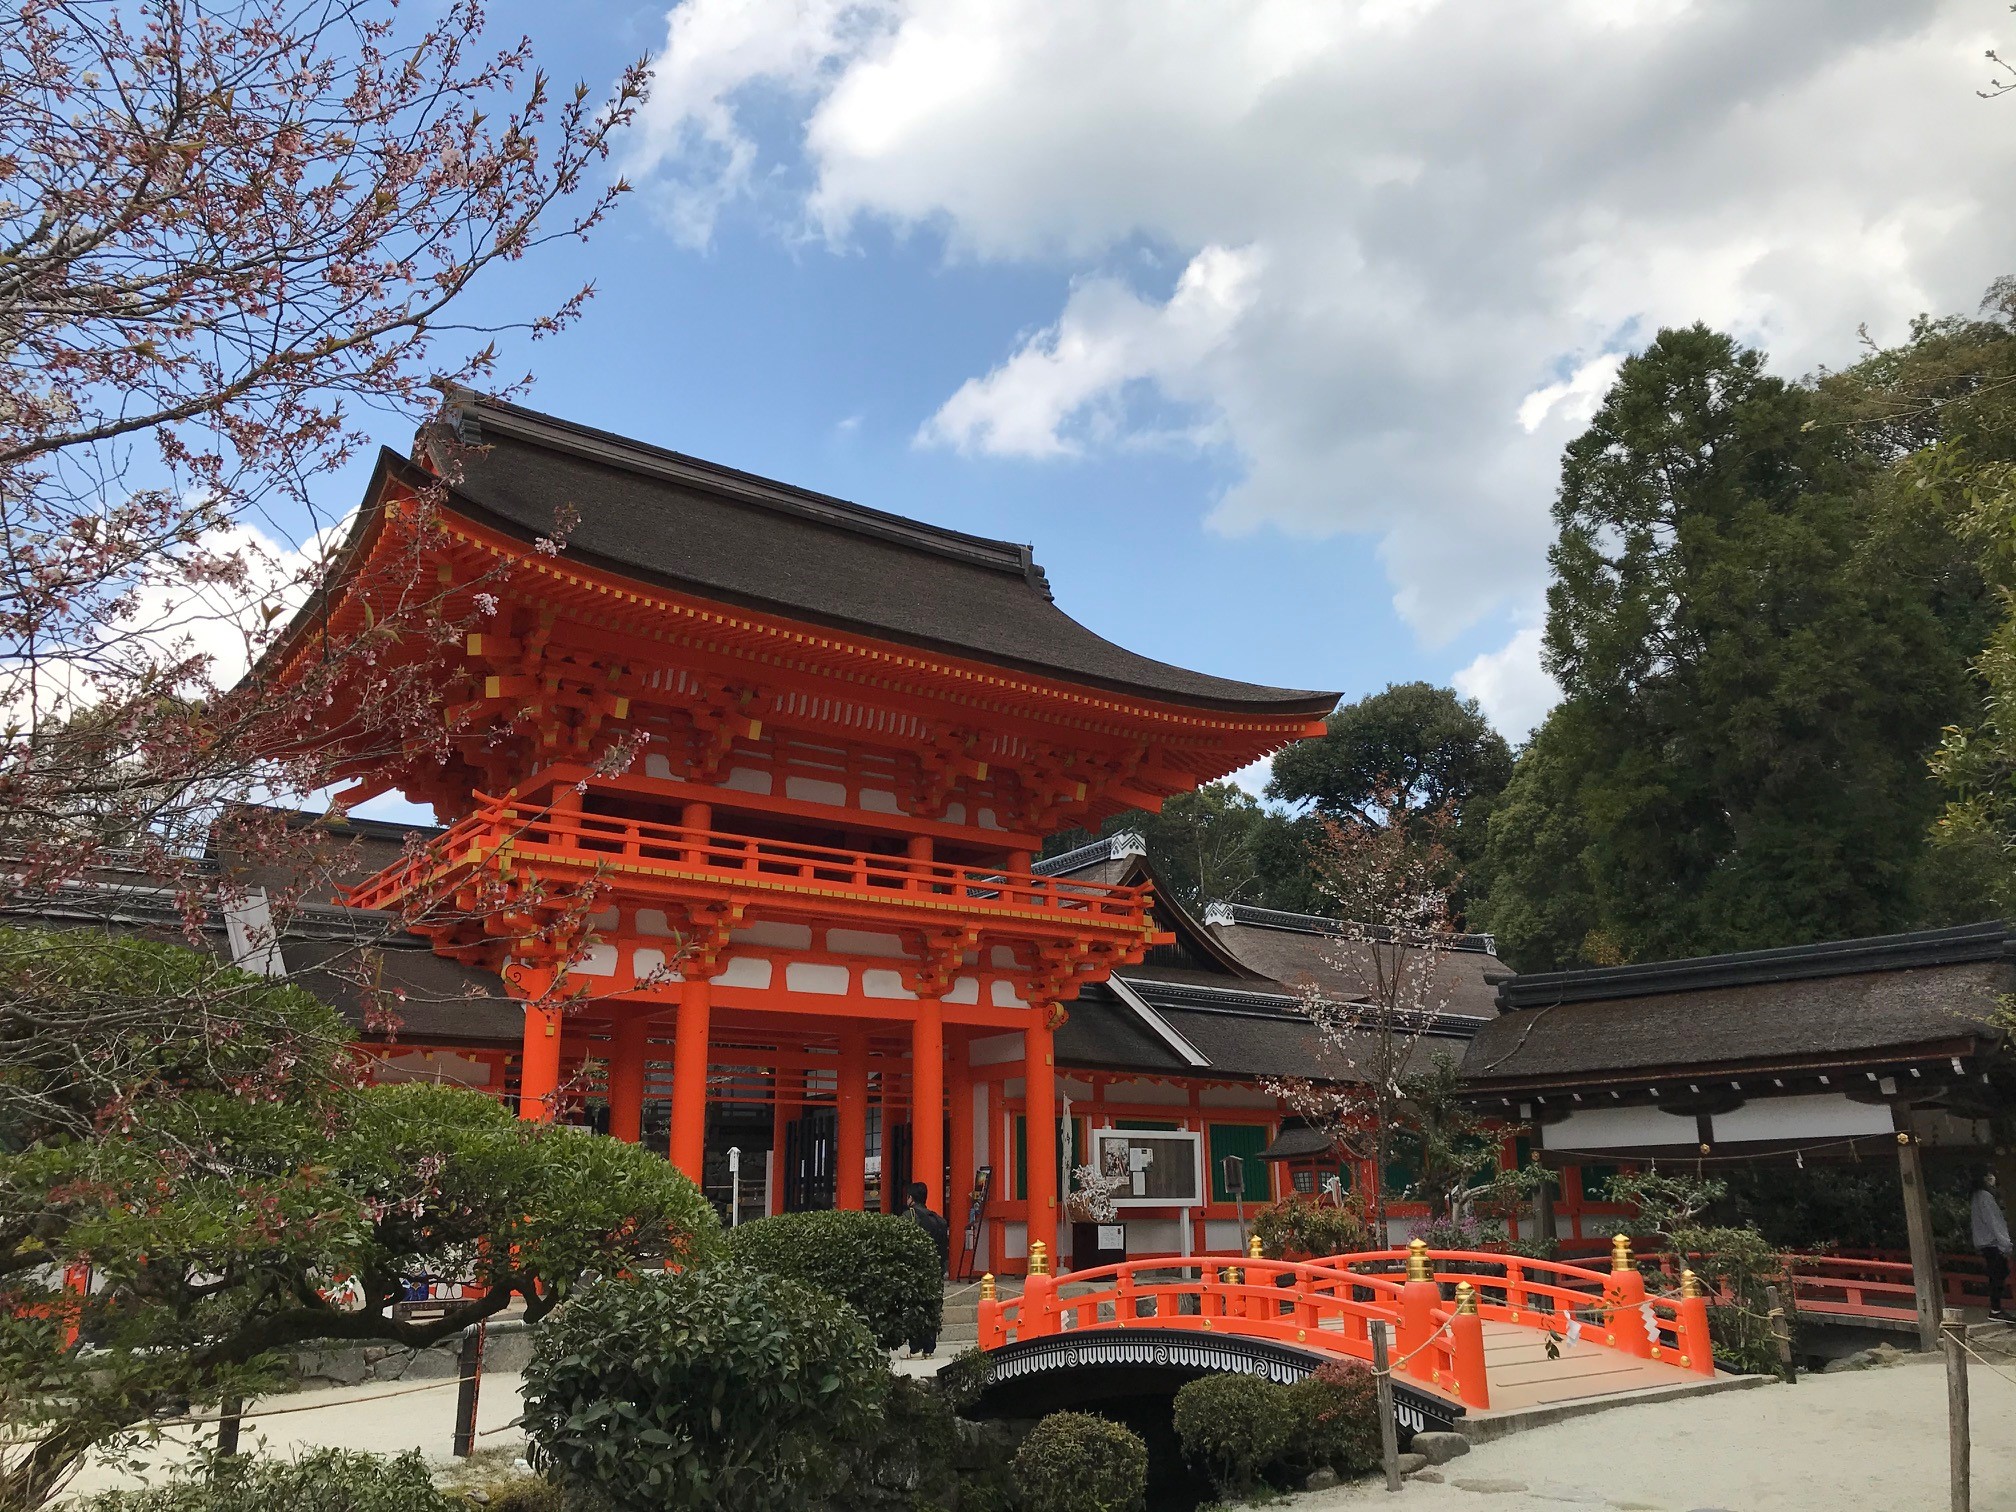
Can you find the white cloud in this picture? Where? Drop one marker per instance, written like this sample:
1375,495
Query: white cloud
1510,683
1437,211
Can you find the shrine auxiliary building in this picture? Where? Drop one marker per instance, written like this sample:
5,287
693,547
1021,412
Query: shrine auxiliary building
814,879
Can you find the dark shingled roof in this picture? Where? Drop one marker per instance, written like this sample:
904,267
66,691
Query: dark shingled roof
1846,1002
1298,1142
693,525
1296,956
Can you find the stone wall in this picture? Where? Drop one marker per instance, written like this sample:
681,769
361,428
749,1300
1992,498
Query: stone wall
506,1348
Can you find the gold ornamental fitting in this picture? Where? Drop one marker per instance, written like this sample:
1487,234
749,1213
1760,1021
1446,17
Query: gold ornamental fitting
1690,1284
1253,1248
1466,1297
1417,1261
1620,1254
1039,1259
1231,1275
987,1287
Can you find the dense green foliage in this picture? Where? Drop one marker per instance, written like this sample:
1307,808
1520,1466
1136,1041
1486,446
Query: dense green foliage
714,1387
884,1267
1334,1420
1219,844
1758,636
1079,1462
1233,1428
1303,1227
321,1480
908,1459
214,1164
1429,745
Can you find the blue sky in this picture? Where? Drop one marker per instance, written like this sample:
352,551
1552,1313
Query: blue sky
1264,321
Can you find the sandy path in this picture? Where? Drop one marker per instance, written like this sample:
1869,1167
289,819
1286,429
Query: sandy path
1873,1439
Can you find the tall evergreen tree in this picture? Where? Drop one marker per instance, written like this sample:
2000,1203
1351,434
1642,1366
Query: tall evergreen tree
1757,648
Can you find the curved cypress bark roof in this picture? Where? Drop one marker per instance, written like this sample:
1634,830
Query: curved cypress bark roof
695,526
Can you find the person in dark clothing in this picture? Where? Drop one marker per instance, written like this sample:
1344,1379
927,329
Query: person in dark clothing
925,1345
1991,1237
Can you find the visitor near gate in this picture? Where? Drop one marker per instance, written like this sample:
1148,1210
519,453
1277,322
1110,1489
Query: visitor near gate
1991,1238
919,1212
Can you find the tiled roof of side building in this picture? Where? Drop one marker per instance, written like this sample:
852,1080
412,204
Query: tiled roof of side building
1301,950
696,526
1932,992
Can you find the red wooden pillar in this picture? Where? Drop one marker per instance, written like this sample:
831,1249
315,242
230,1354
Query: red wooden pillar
689,1077
927,1102
850,1153
1040,1098
539,1065
892,1115
959,1093
627,1048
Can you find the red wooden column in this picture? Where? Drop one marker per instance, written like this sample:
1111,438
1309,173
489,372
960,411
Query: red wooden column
959,1093
850,1153
1040,1100
627,1048
539,1055
927,1101
689,1076
787,1091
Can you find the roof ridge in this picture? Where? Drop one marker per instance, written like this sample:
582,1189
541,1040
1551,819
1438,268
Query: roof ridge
1108,848
1954,945
1301,923
474,416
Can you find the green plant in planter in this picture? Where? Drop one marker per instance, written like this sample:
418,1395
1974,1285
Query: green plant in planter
886,1268
1233,1428
1302,1226
1077,1462
717,1387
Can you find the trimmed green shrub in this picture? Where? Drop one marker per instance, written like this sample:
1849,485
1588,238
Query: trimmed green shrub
719,1387
1304,1227
1233,1427
907,1461
962,1379
321,1480
885,1268
1077,1462
1334,1417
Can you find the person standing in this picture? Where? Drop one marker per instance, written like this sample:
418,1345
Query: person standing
1991,1238
925,1345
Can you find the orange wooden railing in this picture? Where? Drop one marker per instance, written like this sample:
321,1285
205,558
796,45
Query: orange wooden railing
1331,1305
532,833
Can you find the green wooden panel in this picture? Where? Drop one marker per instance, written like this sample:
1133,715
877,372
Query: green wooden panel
1246,1141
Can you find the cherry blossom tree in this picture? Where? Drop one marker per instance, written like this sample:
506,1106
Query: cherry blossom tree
1389,883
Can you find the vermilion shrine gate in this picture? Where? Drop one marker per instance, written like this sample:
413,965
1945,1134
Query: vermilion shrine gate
801,752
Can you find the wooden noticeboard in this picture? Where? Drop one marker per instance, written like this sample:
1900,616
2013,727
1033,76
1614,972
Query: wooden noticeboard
976,1214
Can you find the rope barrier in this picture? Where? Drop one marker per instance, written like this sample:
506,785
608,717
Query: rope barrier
262,1412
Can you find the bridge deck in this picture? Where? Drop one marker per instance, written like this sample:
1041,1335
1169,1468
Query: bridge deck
1522,1376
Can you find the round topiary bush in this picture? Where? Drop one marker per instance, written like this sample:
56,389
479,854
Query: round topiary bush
1233,1427
1335,1416
320,1480
1076,1462
719,1387
885,1268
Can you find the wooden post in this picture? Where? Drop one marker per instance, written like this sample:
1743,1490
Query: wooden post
1959,1449
1924,1252
1040,1101
1389,1432
1543,1212
1782,1334
689,1077
927,1104
231,1417
850,1131
627,1046
470,1368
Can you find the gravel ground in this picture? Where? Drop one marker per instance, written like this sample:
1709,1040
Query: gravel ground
1873,1439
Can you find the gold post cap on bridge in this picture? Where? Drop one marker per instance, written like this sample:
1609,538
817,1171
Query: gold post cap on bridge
1620,1254
1417,1261
1690,1284
1253,1251
1466,1297
987,1287
1231,1275
1039,1258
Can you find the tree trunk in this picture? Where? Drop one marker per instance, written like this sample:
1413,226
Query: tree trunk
32,1481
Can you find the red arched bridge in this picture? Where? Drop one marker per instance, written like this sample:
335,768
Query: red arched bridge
1470,1331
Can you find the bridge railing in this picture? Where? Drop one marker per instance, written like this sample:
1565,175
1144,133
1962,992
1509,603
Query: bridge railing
1435,1302
1313,1305
1570,1301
